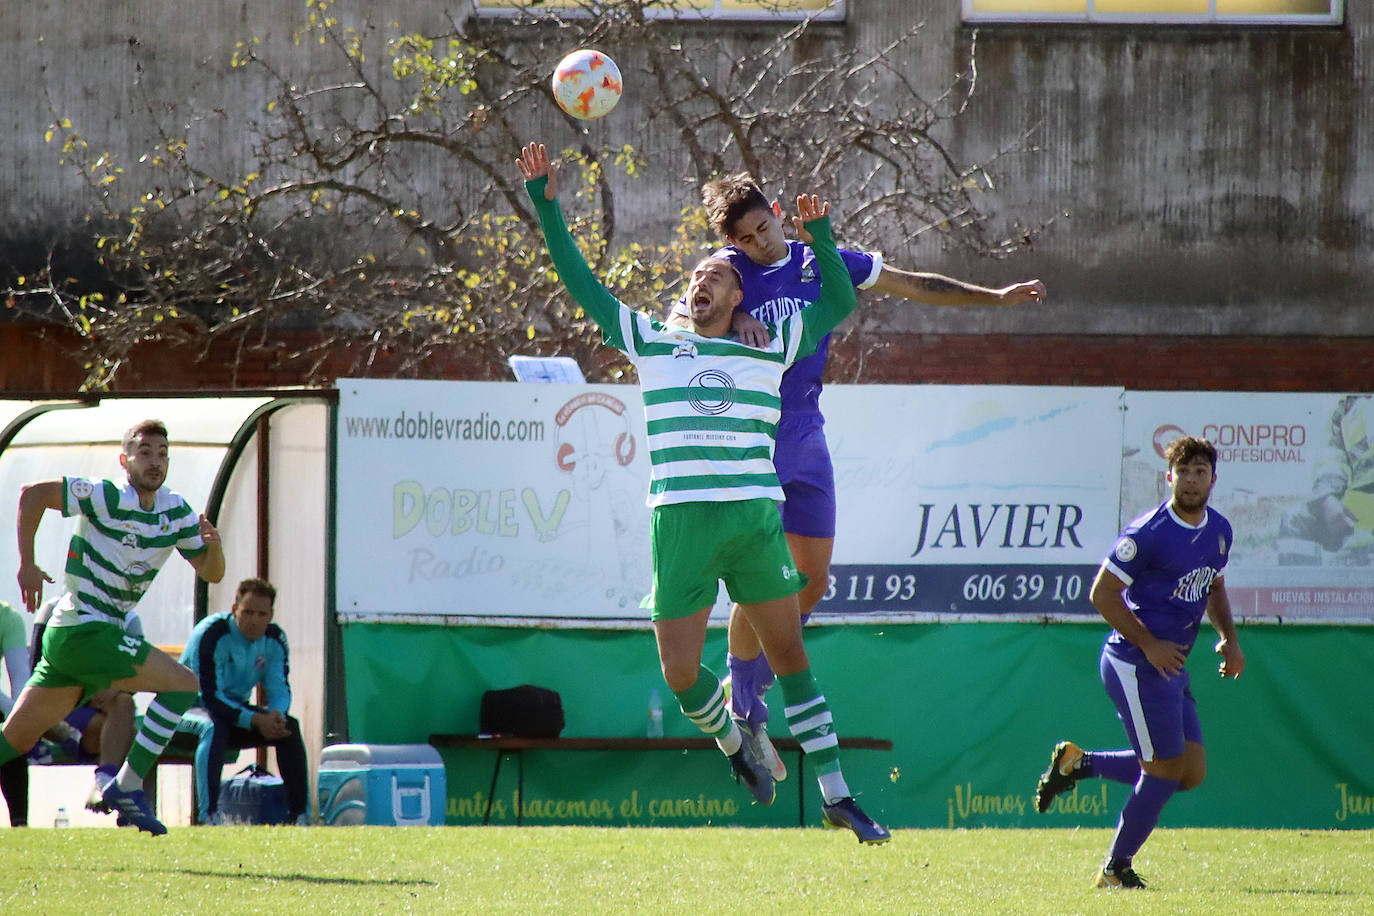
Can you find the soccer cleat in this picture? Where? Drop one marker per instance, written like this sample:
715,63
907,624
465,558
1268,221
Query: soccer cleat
1124,877
846,814
133,809
756,737
104,775
1061,775
751,771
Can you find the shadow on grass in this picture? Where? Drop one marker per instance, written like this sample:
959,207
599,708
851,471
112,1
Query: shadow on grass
297,877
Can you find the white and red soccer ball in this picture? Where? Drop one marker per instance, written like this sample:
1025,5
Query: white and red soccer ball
586,84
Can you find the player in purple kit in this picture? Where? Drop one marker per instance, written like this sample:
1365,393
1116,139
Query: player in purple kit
1164,573
779,279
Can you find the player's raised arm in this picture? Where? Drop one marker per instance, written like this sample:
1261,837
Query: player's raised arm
541,181
837,298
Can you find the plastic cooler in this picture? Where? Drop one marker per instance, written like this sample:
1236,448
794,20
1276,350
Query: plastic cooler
398,785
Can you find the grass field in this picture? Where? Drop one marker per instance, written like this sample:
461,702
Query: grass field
575,870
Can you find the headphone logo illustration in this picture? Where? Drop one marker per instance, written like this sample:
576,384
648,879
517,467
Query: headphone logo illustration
624,441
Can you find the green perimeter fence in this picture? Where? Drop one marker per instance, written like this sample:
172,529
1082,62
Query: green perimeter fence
972,710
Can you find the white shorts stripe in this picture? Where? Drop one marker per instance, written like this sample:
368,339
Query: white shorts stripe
1125,673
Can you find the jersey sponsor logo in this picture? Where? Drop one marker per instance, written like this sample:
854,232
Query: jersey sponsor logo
1194,586
711,392
779,308
82,489
1125,550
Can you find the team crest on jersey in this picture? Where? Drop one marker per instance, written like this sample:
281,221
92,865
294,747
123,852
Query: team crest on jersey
808,273
82,489
164,523
1125,550
711,392
686,348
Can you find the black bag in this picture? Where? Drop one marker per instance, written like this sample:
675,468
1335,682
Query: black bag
523,712
253,796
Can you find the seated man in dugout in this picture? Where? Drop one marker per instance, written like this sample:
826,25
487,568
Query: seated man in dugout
232,653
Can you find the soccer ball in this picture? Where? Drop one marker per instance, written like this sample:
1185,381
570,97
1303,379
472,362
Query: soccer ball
586,84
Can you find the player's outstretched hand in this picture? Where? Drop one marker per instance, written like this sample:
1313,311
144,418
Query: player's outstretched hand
809,207
1232,659
534,162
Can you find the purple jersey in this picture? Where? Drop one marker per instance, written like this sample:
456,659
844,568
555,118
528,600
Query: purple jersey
1168,566
774,291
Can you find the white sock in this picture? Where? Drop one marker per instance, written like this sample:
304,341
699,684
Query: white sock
127,779
833,787
730,741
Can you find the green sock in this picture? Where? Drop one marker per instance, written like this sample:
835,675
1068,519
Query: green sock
808,718
704,704
159,722
7,751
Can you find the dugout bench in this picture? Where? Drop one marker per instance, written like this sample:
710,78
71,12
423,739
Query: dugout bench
502,746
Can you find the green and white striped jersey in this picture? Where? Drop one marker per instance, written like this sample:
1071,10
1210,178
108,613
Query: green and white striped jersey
118,547
711,406
711,403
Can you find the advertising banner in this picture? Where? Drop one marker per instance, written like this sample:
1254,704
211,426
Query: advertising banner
527,500
971,500
1295,476
491,499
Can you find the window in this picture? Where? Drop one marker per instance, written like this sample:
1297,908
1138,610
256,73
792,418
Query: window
757,10
1229,12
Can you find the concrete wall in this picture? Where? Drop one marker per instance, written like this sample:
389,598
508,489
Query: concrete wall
1201,181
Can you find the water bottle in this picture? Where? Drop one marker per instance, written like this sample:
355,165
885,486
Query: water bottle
655,714
61,820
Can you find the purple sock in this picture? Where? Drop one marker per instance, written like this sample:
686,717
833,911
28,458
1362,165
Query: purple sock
1140,815
1118,766
750,678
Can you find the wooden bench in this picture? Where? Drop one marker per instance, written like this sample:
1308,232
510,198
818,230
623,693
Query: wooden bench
517,746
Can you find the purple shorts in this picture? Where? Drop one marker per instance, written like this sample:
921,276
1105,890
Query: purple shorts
1159,715
802,460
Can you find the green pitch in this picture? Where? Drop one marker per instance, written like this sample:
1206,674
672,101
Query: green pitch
574,870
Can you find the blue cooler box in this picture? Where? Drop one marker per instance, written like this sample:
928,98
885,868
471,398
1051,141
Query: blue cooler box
400,785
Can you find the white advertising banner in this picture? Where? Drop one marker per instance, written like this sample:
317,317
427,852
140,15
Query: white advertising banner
500,499
971,500
491,499
1295,476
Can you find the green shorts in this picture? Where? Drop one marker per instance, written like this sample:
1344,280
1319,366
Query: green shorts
89,655
697,545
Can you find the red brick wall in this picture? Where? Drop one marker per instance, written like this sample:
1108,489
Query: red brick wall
30,362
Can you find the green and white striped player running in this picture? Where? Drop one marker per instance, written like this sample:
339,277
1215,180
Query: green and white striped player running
712,406
124,535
